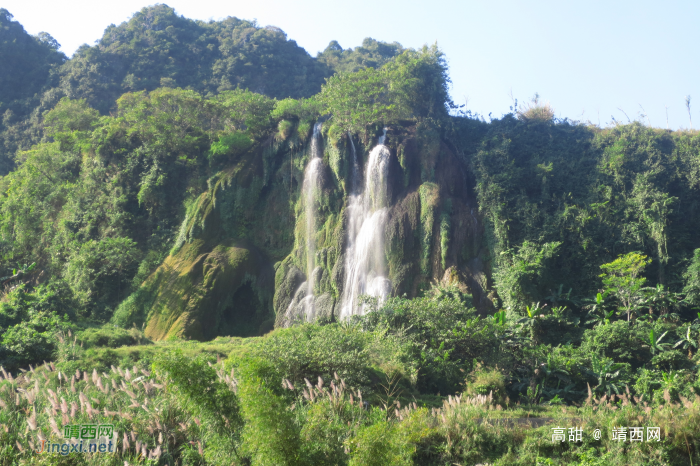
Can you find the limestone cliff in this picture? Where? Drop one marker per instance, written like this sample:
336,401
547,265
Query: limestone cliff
243,254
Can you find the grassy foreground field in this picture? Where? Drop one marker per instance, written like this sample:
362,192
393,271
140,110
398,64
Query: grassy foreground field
235,401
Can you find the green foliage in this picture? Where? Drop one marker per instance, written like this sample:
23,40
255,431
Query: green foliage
29,322
611,376
619,342
371,54
445,232
445,335
429,203
189,163
284,129
621,279
312,351
414,85
271,437
69,116
158,48
379,444
30,69
534,110
483,381
520,272
110,337
97,263
247,111
207,396
228,147
692,279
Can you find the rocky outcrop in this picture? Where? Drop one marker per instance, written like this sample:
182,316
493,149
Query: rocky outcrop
220,278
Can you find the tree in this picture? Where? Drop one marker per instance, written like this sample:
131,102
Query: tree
621,279
412,86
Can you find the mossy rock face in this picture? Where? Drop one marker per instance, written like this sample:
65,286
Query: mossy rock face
432,225
288,279
219,281
199,294
324,307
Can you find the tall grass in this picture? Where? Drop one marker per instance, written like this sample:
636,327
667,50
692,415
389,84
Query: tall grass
326,423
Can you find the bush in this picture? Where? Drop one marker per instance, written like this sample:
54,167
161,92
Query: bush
271,436
204,394
620,341
444,336
311,351
111,337
483,381
29,322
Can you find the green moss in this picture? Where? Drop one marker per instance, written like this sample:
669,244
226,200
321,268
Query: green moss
284,129
335,134
201,292
403,162
304,129
429,201
338,162
111,337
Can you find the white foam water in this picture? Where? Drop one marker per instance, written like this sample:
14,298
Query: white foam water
365,272
304,296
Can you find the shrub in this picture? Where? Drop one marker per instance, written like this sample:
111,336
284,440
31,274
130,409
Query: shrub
443,334
284,129
620,341
534,110
205,394
311,351
111,337
483,381
271,436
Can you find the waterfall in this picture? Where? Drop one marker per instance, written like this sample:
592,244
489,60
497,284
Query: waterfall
367,216
304,296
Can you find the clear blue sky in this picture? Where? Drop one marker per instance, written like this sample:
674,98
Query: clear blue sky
586,58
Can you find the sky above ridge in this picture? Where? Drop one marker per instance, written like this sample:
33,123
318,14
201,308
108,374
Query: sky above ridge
592,61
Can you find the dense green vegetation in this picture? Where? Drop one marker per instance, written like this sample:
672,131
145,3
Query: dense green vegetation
153,239
28,75
157,48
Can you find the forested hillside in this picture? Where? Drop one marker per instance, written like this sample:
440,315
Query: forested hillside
157,48
255,256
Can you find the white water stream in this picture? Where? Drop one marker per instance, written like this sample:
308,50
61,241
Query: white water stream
310,190
367,215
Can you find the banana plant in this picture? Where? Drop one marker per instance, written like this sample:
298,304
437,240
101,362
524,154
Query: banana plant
499,318
529,323
504,332
669,381
655,344
532,313
599,315
608,374
659,299
18,273
558,296
687,342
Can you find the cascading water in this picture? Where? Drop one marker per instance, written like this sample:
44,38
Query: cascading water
304,296
367,215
